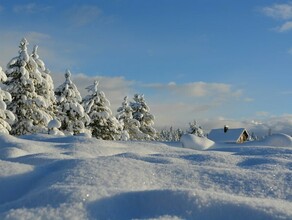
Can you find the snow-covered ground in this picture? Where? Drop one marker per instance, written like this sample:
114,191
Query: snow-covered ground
47,177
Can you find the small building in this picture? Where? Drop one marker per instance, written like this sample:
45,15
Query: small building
229,135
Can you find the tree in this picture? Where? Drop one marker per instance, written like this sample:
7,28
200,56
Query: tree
27,105
71,115
6,116
195,129
141,112
103,124
170,135
45,86
131,126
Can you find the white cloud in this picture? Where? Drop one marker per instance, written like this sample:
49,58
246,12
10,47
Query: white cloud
83,15
287,26
30,8
279,11
198,89
178,104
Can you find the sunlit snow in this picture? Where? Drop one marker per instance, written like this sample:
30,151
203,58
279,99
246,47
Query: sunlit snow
50,177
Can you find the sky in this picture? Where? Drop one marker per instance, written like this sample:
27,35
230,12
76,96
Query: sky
216,62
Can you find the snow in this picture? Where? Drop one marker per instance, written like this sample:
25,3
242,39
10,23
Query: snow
54,124
282,140
75,177
196,142
3,76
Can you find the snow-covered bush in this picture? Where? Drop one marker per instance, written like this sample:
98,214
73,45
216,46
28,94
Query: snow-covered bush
6,116
53,127
141,112
103,124
71,115
28,107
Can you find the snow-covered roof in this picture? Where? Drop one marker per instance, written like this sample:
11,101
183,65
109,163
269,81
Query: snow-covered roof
231,136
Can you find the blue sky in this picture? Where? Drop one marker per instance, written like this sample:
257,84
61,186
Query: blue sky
214,61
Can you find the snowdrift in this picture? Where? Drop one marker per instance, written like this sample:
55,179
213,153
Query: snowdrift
278,140
49,177
195,142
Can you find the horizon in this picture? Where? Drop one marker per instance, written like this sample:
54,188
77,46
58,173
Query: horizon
216,63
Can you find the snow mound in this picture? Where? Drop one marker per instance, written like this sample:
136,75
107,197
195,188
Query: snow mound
195,142
54,124
278,140
12,152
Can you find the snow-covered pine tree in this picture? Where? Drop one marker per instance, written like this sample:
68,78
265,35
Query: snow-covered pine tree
45,87
103,124
170,135
6,116
130,125
195,129
28,107
71,115
141,112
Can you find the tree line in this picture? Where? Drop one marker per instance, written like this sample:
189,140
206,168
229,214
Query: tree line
30,104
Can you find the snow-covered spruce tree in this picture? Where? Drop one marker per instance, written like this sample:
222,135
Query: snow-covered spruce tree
170,135
141,113
130,125
45,87
6,116
195,129
28,107
103,124
71,115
